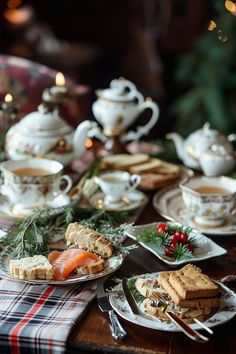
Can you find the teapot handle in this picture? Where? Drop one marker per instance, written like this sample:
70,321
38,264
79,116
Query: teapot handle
122,83
144,130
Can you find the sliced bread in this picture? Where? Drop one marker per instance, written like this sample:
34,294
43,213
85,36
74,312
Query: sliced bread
30,268
123,161
88,239
149,166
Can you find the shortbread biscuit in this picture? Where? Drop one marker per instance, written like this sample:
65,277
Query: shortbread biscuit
208,302
190,283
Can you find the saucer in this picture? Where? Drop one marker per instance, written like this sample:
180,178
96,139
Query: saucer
169,203
131,201
19,211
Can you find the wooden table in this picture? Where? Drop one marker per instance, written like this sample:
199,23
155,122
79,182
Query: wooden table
92,334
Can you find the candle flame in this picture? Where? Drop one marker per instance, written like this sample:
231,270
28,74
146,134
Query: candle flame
8,98
60,79
88,143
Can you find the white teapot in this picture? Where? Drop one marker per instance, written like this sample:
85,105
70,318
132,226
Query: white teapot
119,106
45,134
191,149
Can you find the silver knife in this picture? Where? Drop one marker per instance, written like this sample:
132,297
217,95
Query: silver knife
117,330
183,326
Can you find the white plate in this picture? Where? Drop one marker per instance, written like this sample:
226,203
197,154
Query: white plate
206,247
131,201
14,212
226,311
111,264
169,203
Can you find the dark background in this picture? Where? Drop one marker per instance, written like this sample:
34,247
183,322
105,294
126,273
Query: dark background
138,39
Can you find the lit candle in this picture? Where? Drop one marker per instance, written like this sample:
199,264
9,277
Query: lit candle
57,93
60,87
8,112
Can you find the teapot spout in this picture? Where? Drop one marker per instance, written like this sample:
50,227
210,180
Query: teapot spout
179,144
86,129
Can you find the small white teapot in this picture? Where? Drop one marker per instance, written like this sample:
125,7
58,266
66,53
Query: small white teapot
191,149
45,134
119,106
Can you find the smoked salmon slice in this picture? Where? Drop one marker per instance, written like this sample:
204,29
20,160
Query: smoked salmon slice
66,261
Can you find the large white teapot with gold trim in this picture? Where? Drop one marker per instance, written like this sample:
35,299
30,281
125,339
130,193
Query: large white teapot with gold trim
118,106
191,149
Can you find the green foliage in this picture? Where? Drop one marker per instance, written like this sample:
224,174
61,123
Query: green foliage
31,236
208,75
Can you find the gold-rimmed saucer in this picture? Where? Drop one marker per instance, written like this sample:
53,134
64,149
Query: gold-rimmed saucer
132,200
168,202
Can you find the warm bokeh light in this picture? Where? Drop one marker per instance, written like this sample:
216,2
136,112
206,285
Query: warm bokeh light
88,143
230,6
211,25
60,79
8,98
12,4
18,17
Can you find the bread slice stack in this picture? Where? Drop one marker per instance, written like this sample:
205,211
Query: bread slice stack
155,173
190,293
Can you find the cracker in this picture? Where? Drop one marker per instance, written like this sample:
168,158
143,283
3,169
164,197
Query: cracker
190,283
209,302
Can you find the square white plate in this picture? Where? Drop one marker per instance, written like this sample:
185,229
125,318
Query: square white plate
206,247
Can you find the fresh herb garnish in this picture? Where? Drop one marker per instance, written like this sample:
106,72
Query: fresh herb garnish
174,240
31,235
132,287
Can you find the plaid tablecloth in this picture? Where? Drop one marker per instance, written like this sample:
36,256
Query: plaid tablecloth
39,318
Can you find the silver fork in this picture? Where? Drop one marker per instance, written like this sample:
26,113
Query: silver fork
190,332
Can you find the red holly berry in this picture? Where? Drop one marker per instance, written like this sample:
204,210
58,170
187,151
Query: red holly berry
173,244
161,228
168,251
176,236
184,237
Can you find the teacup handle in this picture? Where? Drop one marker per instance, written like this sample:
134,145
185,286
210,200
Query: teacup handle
134,181
144,130
67,188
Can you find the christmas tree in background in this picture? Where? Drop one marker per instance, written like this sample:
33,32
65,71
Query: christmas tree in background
209,74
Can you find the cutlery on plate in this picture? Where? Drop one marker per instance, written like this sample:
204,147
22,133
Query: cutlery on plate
182,325
117,330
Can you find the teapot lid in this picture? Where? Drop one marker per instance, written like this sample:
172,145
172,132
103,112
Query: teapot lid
120,90
44,123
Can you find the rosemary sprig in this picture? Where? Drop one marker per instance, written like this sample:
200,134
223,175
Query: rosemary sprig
31,236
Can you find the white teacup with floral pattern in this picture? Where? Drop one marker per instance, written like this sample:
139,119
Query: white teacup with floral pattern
210,200
33,182
117,184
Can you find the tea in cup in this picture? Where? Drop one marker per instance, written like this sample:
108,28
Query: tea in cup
33,182
117,184
209,199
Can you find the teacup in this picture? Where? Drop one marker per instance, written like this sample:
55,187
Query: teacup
209,199
117,184
33,182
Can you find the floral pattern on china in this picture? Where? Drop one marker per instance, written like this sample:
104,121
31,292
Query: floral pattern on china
45,134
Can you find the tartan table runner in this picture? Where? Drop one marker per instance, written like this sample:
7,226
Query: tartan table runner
39,318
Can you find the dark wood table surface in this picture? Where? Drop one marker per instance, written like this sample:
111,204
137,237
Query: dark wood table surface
93,335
